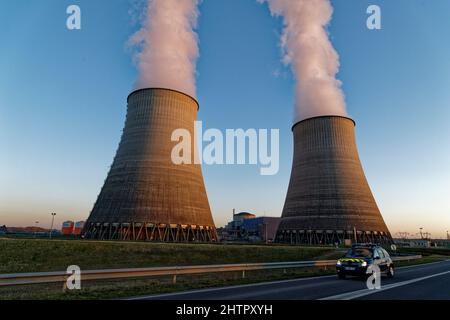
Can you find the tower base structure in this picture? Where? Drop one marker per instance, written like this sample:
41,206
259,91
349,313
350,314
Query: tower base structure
324,237
151,232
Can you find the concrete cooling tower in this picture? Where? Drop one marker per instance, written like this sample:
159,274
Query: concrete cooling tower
329,199
145,195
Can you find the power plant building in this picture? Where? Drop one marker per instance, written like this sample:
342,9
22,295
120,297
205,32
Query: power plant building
329,199
246,226
145,195
261,228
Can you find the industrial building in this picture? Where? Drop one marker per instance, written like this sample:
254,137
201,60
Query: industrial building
261,228
246,226
67,228
145,195
234,229
413,243
422,243
329,200
72,228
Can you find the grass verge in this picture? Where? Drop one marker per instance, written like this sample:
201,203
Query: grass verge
426,251
34,255
425,259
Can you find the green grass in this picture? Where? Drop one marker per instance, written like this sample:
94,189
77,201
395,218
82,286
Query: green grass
34,255
425,259
426,251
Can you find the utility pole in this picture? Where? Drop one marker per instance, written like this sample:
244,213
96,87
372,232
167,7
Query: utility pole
448,236
51,228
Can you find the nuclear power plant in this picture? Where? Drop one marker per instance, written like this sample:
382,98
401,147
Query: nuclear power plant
328,199
145,195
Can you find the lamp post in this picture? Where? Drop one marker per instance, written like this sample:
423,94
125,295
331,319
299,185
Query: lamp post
51,228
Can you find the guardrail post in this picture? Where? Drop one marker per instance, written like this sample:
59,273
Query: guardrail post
174,279
243,274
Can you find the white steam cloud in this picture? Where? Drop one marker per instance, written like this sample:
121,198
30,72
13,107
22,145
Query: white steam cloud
314,61
167,46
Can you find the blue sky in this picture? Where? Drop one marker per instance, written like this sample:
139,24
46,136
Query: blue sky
63,103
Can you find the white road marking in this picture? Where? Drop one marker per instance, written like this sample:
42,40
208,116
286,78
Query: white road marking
227,287
366,292
422,264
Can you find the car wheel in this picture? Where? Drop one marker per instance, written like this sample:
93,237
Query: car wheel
391,272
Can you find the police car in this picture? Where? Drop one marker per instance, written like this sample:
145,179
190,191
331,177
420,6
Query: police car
360,257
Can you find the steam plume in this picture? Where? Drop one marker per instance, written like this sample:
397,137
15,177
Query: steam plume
314,61
168,46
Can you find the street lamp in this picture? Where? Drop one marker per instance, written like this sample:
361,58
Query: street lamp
51,228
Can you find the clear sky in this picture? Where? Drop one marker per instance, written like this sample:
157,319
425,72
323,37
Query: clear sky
63,103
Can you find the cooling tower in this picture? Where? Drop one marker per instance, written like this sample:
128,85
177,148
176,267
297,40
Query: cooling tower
145,195
328,198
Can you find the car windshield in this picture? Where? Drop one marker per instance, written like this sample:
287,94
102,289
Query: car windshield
359,253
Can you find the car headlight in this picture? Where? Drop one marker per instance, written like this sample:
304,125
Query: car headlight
338,263
364,264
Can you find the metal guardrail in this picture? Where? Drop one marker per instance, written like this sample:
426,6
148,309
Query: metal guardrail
61,276
406,258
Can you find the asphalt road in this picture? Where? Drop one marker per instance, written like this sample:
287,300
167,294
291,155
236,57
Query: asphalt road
428,281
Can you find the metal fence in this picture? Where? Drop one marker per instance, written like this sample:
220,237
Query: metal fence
61,276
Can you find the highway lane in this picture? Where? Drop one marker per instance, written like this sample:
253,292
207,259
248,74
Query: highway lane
429,281
436,288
